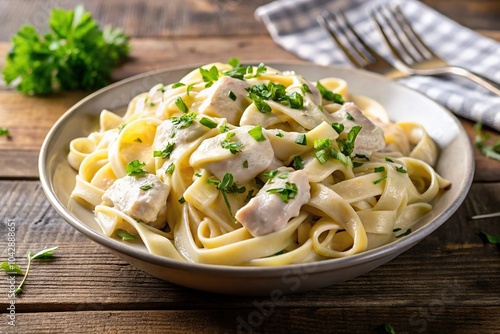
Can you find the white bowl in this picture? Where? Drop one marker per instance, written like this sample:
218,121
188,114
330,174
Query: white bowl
455,163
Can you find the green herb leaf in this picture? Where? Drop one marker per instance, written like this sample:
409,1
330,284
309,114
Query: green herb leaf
178,84
401,169
338,127
170,169
280,134
68,57
167,151
297,162
346,145
146,187
256,133
209,76
388,159
233,147
349,117
301,139
124,235
270,175
379,169
231,95
134,168
4,132
286,193
305,88
225,186
329,95
405,233
490,238
389,329
482,141
181,105
234,62
208,123
183,121
380,180
11,268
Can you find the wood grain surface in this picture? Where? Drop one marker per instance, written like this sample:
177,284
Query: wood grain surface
448,283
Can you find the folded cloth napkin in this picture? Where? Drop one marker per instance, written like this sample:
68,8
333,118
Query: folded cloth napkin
292,24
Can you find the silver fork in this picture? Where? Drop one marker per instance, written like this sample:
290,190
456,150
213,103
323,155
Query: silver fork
360,54
412,55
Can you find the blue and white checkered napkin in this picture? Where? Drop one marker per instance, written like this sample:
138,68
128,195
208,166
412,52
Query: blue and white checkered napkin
292,24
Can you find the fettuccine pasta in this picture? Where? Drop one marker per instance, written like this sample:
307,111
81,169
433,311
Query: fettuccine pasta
250,166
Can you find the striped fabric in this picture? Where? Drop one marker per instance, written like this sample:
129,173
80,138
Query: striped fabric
292,24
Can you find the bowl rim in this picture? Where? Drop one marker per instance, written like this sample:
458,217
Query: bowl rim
384,251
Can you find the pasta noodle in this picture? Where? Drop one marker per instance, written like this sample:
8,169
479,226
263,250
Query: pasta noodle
249,166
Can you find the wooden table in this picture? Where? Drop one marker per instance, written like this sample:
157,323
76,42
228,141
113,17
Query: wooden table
449,283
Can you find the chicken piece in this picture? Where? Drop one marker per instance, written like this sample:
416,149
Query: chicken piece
143,198
227,98
245,160
276,203
371,137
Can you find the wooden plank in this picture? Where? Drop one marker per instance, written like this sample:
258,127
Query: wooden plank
139,18
436,317
85,276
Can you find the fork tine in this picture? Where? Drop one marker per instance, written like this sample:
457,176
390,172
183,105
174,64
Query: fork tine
379,25
419,45
357,39
406,47
351,53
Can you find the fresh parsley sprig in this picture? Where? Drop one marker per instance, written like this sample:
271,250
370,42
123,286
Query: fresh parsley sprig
482,141
74,55
13,268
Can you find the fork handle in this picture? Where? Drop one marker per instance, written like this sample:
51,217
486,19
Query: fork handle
479,79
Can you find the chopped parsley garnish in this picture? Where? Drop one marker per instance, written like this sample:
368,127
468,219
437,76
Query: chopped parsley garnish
338,127
483,143
178,84
305,89
346,145
232,146
301,139
357,164
134,168
166,152
231,95
138,140
380,180
280,134
147,186
181,105
124,235
362,156
225,186
389,329
121,127
379,169
188,89
388,159
260,69
329,95
273,92
405,233
170,169
209,76
4,132
298,162
286,193
270,175
208,123
401,169
182,200
223,128
256,133
349,117
325,150
183,121
234,62
245,164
